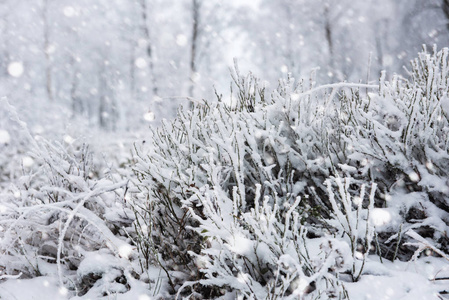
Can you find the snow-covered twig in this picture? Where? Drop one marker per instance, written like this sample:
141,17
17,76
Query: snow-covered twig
422,245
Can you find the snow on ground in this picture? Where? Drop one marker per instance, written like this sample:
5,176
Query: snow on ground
47,287
401,280
414,280
32,289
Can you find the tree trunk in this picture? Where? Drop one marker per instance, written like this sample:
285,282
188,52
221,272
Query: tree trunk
193,50
77,105
132,70
290,53
445,7
48,71
328,32
149,49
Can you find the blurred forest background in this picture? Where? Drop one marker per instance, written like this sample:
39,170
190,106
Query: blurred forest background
118,64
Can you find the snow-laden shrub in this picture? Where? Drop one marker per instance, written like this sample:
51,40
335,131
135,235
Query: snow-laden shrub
264,253
236,197
13,156
399,139
58,212
254,151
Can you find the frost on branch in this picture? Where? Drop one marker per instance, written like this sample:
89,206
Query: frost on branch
58,212
287,193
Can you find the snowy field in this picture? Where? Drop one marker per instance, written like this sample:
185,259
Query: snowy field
192,149
414,280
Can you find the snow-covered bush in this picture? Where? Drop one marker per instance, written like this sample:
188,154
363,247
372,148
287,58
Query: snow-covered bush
224,161
59,211
12,153
264,253
398,138
264,195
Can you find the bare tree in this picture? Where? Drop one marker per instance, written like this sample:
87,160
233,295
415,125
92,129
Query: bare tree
48,71
132,69
149,44
107,110
328,31
77,105
445,7
194,45
4,48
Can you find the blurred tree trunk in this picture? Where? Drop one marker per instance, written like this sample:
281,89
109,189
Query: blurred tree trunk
48,77
107,109
328,32
132,69
102,90
77,105
290,39
4,42
149,44
445,7
194,46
